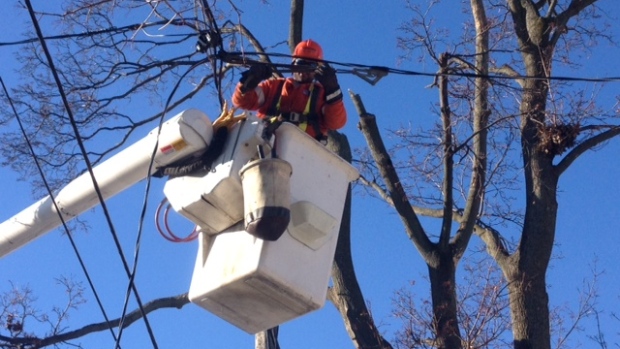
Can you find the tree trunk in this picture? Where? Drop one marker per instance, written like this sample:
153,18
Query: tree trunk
526,273
345,292
529,310
295,26
526,269
443,292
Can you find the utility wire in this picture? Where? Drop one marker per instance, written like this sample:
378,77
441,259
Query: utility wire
107,31
217,80
62,220
215,31
87,161
344,64
238,58
145,201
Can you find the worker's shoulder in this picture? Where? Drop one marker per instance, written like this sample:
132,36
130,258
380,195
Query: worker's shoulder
274,82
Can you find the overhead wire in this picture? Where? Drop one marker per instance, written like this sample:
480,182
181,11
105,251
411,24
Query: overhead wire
217,81
145,201
62,220
89,167
110,31
238,58
215,33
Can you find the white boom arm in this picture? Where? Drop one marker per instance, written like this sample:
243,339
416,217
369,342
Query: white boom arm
186,134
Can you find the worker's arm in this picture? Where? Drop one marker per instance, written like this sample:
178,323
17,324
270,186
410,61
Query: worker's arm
334,115
247,94
250,100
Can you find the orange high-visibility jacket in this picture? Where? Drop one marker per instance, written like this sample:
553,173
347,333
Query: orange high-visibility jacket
295,95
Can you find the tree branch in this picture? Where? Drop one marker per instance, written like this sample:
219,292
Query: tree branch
575,7
448,153
491,237
413,227
480,123
585,146
35,343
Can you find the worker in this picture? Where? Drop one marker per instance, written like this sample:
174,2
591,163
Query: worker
311,98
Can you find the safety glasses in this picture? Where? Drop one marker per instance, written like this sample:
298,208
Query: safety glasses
305,63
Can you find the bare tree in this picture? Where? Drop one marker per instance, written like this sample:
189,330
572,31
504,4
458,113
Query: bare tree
544,130
544,137
442,256
483,310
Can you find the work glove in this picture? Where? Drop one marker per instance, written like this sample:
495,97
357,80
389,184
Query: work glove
326,75
253,76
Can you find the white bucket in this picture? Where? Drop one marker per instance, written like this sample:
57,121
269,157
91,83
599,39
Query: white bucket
266,197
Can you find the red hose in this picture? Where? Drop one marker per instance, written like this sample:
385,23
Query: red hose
165,231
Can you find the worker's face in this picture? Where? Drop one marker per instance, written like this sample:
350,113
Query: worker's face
306,72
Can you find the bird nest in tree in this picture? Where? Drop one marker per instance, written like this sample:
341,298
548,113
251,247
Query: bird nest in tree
555,139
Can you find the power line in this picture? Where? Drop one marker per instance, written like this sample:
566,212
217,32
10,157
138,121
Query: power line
214,33
145,201
87,161
373,69
51,195
239,58
111,30
215,30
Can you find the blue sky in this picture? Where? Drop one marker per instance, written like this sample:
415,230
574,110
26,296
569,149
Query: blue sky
350,31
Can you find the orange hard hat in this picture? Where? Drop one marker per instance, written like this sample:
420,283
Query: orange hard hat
308,49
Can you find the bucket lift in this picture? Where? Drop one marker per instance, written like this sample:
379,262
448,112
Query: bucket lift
268,224
251,282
